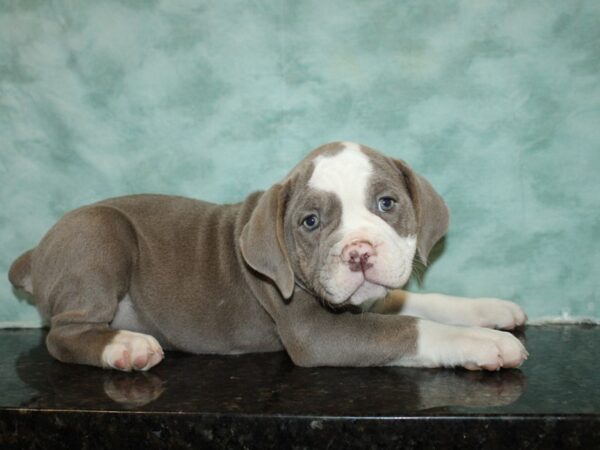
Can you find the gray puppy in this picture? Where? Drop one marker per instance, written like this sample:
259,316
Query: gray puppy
122,279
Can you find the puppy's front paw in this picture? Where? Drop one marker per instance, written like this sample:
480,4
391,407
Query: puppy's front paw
495,313
484,349
473,348
132,351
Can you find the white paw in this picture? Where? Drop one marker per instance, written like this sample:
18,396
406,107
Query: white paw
132,351
494,313
475,312
473,348
485,349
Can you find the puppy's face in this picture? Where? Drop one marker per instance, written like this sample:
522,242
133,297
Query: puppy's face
350,225
344,224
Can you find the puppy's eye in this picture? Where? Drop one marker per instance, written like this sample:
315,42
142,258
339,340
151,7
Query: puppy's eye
311,222
385,204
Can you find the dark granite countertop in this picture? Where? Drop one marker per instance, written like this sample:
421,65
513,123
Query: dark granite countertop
264,401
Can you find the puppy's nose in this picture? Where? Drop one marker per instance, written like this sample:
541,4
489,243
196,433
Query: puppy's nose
357,255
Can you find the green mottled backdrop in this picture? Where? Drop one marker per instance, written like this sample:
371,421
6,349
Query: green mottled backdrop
496,102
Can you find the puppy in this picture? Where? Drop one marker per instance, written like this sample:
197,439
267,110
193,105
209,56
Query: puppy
123,279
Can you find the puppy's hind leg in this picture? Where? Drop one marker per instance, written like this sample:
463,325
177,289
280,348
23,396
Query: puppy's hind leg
81,270
99,345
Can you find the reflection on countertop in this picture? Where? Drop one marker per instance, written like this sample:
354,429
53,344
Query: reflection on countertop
267,383
560,379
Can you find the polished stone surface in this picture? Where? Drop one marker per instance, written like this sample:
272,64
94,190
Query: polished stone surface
263,400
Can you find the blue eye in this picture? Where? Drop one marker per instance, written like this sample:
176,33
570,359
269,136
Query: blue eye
385,204
311,222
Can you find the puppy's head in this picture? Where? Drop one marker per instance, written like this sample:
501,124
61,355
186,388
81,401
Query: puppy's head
345,224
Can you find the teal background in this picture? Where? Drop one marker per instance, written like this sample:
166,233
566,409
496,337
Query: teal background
497,103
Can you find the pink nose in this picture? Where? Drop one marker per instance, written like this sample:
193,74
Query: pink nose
357,255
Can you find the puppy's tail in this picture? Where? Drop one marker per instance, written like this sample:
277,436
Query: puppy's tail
20,272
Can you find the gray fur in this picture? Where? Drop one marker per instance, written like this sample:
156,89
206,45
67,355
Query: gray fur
206,278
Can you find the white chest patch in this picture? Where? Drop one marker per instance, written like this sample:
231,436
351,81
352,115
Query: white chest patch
345,174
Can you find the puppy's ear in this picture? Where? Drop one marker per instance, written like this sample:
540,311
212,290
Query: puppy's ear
262,241
432,213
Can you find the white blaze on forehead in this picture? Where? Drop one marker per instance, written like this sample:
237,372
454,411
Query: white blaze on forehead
345,174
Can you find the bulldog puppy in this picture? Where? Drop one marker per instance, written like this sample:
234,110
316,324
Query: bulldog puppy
121,279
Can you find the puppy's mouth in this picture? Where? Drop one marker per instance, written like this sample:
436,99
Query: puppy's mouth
374,279
373,276
338,288
354,296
